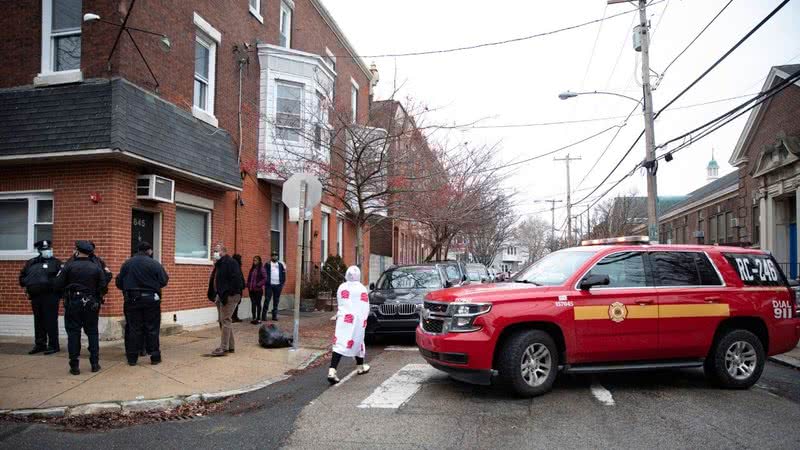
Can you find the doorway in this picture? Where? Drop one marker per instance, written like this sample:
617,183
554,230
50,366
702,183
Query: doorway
145,227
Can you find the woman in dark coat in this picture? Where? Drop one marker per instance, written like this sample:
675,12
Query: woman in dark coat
256,280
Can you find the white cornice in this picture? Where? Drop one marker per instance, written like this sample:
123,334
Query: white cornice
326,15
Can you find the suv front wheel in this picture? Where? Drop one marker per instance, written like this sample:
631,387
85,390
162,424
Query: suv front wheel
737,360
528,363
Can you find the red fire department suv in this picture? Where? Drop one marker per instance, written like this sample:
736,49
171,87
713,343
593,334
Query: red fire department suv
618,307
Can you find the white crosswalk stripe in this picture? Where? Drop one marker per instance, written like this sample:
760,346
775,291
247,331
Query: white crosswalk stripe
400,387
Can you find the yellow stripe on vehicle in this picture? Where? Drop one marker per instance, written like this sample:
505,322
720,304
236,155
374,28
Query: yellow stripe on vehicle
700,310
601,312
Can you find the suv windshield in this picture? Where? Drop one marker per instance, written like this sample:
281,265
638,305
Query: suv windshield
555,268
411,278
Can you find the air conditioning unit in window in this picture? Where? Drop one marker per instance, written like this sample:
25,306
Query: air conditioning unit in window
734,222
154,187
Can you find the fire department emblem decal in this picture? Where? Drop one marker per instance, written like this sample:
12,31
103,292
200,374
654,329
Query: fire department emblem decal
617,312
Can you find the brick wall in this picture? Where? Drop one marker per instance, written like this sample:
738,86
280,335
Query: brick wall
780,116
108,224
244,229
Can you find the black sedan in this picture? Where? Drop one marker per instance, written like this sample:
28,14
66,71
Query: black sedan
395,301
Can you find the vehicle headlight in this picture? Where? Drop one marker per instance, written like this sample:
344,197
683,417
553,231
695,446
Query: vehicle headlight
464,315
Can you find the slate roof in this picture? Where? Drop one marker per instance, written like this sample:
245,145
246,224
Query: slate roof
709,189
115,114
789,68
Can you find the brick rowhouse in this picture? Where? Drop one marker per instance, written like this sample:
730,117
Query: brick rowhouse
82,137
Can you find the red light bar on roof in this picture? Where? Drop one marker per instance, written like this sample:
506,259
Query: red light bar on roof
618,240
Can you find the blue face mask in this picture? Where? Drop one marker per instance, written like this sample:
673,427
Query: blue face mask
47,253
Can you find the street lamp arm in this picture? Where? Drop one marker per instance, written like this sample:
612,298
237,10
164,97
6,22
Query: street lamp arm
130,28
570,94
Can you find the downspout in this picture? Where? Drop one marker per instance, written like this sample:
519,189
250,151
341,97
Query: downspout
242,60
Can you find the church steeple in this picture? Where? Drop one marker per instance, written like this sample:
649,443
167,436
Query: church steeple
712,170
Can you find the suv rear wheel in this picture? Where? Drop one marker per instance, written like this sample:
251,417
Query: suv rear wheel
737,360
528,363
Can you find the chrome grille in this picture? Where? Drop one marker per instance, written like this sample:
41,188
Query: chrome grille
401,309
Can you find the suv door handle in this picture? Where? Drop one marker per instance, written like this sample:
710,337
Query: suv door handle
644,302
712,299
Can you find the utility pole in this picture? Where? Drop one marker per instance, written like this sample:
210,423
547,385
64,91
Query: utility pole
567,159
552,221
649,132
642,44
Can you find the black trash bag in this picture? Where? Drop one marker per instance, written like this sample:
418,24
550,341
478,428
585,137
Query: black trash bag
270,336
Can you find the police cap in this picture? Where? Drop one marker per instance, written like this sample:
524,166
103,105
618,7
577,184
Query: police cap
84,247
43,245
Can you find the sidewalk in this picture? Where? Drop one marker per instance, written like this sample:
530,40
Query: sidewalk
40,381
790,358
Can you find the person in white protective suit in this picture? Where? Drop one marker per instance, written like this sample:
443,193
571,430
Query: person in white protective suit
351,322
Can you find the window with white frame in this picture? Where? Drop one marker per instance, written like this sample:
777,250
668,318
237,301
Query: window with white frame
288,117
255,9
276,228
192,233
24,219
205,52
324,234
354,101
61,35
340,236
286,25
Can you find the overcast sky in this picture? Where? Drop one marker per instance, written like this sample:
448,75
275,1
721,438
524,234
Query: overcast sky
519,82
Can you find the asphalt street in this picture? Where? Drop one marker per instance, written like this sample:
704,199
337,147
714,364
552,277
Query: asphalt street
402,403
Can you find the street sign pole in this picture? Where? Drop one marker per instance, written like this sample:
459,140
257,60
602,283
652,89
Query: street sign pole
299,266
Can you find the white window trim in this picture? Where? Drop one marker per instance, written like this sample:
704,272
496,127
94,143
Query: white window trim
195,261
47,76
340,235
325,234
301,129
332,57
32,197
207,35
281,229
287,6
256,12
354,106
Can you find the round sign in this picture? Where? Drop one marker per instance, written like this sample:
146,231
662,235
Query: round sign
291,194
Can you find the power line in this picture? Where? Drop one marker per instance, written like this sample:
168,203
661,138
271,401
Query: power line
691,85
596,119
603,153
733,114
695,38
723,57
496,43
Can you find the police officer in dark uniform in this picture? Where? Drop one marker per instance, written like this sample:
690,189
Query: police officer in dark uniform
38,278
81,280
141,279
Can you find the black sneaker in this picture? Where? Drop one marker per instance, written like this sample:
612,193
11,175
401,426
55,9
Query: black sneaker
36,350
131,363
155,362
51,351
143,352
74,370
96,367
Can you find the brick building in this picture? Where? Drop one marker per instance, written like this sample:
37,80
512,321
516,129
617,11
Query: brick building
93,145
756,205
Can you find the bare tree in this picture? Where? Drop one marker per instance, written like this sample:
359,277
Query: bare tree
496,226
618,216
534,234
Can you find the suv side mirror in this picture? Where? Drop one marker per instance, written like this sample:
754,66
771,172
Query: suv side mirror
464,278
589,281
372,286
794,284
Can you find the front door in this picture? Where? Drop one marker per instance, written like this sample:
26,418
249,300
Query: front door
142,228
618,322
692,301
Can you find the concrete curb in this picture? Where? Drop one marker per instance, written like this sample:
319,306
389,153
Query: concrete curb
158,404
786,360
